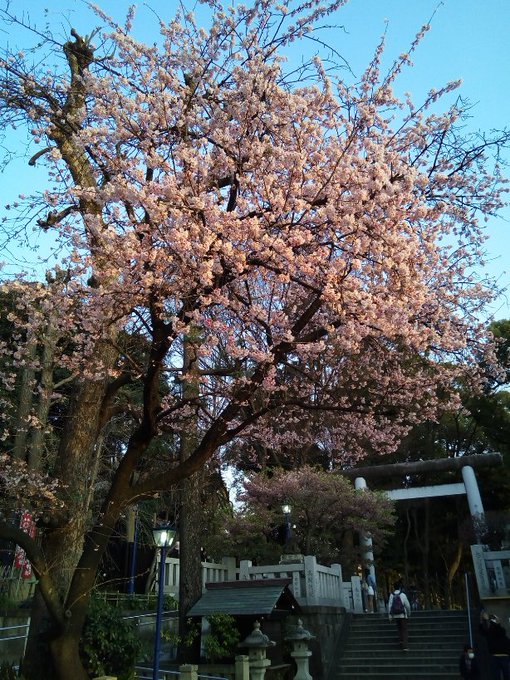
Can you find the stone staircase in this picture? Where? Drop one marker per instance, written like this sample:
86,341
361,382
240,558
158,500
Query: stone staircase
371,650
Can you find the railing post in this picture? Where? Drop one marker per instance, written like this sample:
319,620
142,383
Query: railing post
188,672
244,570
482,577
296,582
242,667
311,580
336,569
357,598
230,564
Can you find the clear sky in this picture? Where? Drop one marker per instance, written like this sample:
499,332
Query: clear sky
469,39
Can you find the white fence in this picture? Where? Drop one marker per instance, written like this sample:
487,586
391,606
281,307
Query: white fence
211,572
312,584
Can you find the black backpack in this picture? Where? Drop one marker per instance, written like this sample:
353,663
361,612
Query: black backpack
397,606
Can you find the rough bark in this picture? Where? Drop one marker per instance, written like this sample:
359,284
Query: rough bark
190,520
24,403
63,544
47,385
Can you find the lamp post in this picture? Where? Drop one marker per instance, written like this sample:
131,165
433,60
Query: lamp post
164,536
287,509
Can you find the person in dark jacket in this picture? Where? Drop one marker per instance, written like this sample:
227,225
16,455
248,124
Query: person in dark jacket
468,664
498,646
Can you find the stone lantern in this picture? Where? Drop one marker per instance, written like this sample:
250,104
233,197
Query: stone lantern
257,643
300,652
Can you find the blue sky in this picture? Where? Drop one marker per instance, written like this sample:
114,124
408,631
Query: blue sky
468,40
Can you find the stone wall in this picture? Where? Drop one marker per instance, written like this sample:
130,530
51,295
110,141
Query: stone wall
328,624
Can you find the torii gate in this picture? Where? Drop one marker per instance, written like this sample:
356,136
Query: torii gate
468,486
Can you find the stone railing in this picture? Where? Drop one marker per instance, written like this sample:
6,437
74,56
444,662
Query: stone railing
211,572
312,584
492,570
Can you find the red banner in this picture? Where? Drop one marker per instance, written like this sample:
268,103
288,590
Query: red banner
21,561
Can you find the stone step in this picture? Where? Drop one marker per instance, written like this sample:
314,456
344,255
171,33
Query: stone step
445,640
376,621
387,657
401,659
409,669
371,650
399,675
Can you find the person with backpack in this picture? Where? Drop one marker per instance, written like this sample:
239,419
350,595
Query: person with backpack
399,610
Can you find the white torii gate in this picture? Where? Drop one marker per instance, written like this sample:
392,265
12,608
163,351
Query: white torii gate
468,486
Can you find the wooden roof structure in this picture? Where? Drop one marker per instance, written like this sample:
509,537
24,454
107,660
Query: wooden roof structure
261,597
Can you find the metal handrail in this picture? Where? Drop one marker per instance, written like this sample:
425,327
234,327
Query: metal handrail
21,625
163,673
26,626
145,669
468,603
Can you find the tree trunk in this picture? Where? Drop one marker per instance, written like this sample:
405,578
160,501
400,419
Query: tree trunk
190,541
38,662
452,571
190,520
36,447
63,545
19,450
66,655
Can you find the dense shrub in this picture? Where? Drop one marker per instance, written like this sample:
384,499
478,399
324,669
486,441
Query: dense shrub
110,644
221,643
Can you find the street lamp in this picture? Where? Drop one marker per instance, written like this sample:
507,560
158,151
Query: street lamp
287,509
164,537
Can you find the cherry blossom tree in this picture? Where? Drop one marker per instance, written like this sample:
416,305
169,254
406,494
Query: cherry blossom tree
326,510
297,252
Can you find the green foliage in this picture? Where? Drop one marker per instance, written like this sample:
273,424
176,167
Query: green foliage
192,633
7,672
110,644
221,643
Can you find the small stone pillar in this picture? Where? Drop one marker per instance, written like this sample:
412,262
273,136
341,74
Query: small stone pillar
257,643
242,667
188,672
300,652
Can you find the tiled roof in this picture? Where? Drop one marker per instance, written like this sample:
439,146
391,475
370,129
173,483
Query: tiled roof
246,598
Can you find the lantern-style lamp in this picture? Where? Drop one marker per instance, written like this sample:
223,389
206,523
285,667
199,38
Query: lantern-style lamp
164,537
